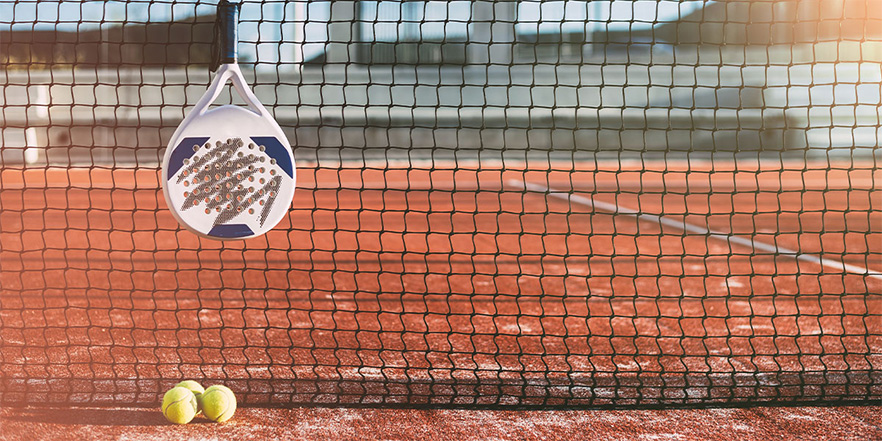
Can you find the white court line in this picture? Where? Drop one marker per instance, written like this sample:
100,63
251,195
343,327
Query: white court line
695,229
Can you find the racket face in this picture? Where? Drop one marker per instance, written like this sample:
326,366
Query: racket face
229,173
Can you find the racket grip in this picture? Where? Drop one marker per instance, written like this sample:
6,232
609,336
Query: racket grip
228,16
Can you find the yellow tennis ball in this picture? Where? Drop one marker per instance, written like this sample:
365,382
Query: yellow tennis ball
197,390
179,405
218,403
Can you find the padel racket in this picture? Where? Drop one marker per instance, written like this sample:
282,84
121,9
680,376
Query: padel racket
228,172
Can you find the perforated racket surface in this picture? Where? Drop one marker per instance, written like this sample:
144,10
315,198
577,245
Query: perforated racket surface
229,172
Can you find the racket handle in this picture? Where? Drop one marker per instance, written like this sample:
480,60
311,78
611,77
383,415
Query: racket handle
228,16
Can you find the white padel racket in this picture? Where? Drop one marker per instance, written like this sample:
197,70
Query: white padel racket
228,172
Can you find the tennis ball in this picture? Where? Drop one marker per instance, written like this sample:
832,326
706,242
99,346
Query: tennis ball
218,403
179,405
197,390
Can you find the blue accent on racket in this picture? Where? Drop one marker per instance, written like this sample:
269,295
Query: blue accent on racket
275,150
183,151
231,231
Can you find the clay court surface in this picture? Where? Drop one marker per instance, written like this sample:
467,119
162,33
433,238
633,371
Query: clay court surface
748,424
611,284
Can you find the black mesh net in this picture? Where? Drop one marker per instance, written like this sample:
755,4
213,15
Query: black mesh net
558,203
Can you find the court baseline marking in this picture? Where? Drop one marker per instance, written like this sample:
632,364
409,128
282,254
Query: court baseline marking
695,229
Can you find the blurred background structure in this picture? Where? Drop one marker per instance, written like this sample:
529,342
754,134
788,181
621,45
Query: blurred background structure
95,81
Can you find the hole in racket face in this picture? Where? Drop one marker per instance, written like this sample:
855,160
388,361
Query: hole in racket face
227,179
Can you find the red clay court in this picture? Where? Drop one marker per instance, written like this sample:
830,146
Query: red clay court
452,286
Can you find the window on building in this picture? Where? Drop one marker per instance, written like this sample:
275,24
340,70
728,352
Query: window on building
413,32
572,29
